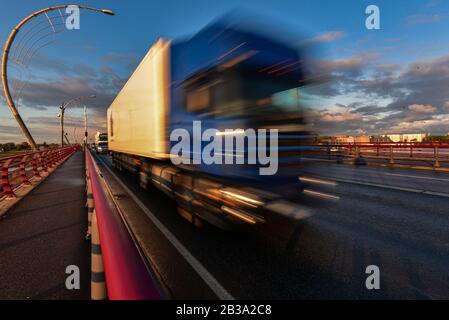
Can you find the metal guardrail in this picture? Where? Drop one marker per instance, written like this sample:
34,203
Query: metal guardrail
126,274
18,170
435,152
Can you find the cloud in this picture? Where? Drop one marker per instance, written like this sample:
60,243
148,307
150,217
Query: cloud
325,37
388,96
418,19
337,76
7,131
422,108
434,124
337,119
42,62
129,61
433,3
339,114
52,81
41,95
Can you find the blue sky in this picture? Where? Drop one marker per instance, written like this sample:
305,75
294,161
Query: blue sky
387,80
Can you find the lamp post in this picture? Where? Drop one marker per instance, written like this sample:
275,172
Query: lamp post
63,107
85,127
74,135
5,55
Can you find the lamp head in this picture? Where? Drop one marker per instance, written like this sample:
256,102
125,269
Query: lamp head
109,12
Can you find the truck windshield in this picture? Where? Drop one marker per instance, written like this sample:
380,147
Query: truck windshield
253,94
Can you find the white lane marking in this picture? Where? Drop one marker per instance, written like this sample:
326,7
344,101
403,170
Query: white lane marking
446,195
434,193
208,278
413,176
317,159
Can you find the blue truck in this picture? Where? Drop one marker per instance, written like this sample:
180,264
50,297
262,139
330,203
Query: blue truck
231,81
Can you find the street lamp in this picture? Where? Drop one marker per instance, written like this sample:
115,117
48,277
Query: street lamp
85,128
63,106
5,55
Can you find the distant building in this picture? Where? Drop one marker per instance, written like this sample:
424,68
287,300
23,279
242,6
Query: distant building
351,139
362,139
377,139
344,139
408,137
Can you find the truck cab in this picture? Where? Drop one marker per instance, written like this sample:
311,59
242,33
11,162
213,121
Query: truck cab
230,78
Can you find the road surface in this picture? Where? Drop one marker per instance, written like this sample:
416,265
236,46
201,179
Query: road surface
395,219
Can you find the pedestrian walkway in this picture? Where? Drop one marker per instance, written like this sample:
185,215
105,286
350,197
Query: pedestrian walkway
43,234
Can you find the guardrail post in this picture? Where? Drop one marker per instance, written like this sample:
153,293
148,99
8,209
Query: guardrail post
7,188
49,156
437,162
22,171
391,155
90,208
35,166
43,157
97,278
55,157
340,156
58,156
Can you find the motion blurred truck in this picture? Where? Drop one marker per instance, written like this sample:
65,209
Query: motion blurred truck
227,78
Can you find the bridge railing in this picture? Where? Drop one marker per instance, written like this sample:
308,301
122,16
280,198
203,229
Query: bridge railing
19,170
126,275
435,152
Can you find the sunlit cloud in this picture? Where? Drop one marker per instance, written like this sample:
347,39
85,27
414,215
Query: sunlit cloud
325,37
422,108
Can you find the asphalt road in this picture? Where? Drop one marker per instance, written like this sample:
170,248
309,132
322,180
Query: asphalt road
395,219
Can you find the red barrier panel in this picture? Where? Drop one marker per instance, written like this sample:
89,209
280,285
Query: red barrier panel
19,169
127,277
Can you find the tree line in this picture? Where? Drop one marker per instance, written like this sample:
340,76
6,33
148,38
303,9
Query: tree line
23,146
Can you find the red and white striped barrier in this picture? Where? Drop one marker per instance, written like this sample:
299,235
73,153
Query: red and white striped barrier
127,277
18,170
